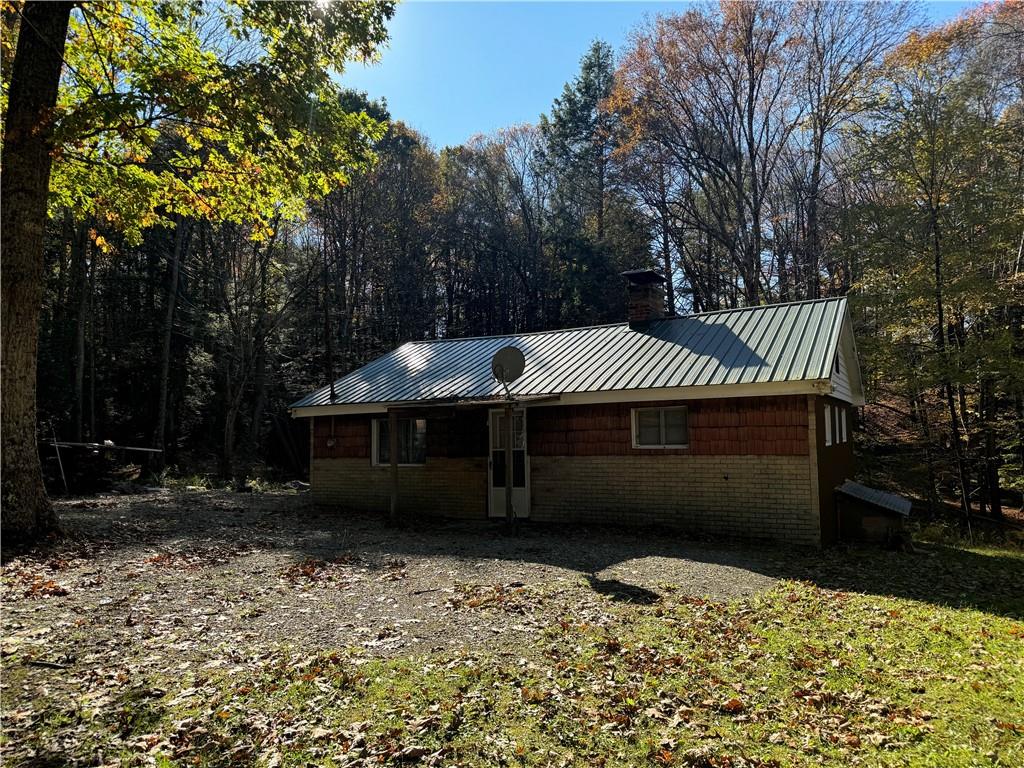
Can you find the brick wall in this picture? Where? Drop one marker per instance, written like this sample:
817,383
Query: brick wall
443,486
775,426
766,497
748,470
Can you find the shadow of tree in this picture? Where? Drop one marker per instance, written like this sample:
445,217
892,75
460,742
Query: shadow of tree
130,713
623,592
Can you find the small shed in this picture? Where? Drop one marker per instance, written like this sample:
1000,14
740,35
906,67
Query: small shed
868,514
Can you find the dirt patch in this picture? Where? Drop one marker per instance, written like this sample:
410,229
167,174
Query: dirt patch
177,585
172,576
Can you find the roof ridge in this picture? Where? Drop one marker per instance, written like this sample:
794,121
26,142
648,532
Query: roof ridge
613,325
516,335
759,306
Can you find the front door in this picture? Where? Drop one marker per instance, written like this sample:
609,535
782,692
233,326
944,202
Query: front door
520,466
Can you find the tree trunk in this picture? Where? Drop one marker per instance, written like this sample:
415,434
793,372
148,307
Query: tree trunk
666,248
601,172
177,253
24,183
260,393
80,246
947,386
813,226
991,463
92,353
227,458
328,331
259,375
753,256
933,497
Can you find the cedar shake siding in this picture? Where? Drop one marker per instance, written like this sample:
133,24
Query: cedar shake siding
350,435
761,426
748,469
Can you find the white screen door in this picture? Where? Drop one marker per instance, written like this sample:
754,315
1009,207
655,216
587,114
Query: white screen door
520,466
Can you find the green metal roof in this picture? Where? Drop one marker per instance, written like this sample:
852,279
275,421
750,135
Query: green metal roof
887,501
774,343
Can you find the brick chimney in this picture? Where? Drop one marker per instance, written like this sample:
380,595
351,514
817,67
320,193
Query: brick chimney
645,290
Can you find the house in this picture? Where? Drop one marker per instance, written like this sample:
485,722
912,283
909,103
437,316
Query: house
735,422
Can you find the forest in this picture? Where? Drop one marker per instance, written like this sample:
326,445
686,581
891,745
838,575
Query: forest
214,248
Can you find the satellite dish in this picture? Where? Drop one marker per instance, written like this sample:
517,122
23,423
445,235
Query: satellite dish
508,364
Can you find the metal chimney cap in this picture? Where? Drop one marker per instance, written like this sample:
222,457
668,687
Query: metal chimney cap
643,276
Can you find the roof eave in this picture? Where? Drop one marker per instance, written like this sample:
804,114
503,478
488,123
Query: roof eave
702,392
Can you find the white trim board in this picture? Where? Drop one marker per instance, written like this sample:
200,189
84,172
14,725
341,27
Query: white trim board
774,389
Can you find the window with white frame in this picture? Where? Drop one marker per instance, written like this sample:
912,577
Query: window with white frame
842,423
412,441
828,425
660,427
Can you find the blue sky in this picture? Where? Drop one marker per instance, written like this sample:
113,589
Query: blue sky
455,69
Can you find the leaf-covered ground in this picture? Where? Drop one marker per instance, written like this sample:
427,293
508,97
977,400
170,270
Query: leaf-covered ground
211,629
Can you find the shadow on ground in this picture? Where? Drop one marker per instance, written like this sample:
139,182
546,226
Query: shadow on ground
988,581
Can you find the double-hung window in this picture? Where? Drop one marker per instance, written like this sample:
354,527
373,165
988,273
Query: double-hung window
660,427
412,441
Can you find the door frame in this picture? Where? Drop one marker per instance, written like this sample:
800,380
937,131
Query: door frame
526,462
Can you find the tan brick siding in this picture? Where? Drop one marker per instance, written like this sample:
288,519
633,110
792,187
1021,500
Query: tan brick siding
766,497
442,487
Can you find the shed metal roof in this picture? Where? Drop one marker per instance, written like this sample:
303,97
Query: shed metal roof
887,501
774,343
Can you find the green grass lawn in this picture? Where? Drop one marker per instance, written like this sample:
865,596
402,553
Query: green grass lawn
799,675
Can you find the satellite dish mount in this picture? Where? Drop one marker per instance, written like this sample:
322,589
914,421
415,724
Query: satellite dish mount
507,365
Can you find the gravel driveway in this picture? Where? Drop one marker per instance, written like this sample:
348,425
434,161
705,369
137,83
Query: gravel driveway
171,575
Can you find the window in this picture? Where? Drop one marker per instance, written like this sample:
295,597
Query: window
835,425
499,432
412,441
660,428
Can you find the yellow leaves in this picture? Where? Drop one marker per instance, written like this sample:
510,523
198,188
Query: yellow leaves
99,240
232,151
922,50
533,695
919,49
